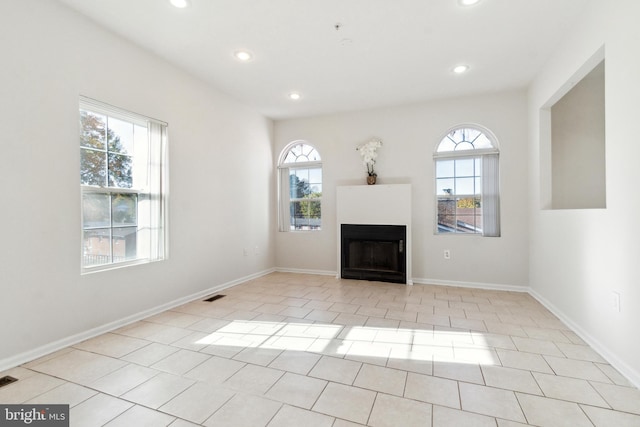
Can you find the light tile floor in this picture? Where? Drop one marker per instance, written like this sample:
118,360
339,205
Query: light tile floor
304,350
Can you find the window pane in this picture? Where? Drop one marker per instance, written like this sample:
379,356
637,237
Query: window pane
467,214
446,145
316,190
471,135
123,208
299,183
444,186
482,142
444,168
465,186
314,211
297,150
95,210
92,130
464,167
297,187
457,135
124,244
96,249
302,174
305,209
93,167
120,136
465,224
313,155
478,215
464,146
446,214
305,215
296,217
315,176
120,171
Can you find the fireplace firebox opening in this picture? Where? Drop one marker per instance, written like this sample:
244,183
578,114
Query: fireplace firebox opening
374,252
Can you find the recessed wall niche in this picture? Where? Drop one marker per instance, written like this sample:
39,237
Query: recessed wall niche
574,126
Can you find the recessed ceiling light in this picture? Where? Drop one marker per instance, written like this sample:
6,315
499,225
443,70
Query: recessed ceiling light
295,96
460,69
243,55
468,2
181,4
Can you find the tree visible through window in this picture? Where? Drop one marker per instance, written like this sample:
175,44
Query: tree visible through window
300,188
121,178
467,183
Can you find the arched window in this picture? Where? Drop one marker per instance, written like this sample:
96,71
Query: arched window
467,182
300,187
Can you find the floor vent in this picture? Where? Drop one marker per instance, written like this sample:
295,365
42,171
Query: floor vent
7,380
213,298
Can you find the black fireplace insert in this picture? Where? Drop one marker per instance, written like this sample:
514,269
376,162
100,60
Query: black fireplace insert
374,252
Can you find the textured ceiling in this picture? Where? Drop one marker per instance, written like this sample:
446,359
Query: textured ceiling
385,52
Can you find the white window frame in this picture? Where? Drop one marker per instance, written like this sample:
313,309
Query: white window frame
152,197
284,201
489,177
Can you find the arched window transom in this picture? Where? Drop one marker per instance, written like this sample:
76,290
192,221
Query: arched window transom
464,138
301,153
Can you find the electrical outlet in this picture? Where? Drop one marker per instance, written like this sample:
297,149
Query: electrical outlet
447,254
615,301
245,252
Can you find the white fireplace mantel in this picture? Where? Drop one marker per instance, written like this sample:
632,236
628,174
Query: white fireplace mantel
375,204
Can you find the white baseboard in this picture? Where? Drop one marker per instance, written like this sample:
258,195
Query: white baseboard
319,272
30,355
629,373
418,281
305,271
474,285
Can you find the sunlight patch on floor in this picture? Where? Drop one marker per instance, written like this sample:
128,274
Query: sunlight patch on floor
356,341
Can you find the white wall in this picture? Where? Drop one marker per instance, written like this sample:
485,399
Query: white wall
410,134
221,179
579,257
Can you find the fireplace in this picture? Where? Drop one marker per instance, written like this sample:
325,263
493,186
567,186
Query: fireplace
374,252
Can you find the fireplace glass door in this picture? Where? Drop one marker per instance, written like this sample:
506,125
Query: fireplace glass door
373,252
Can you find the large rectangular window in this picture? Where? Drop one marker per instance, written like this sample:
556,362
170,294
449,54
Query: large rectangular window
123,186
